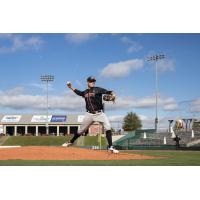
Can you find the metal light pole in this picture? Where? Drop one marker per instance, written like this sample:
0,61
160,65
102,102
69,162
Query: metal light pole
170,123
47,79
190,121
155,59
186,124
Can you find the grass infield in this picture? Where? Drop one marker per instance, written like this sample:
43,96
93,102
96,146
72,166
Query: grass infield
49,140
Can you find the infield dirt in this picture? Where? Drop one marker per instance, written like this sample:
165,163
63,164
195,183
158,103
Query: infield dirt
62,153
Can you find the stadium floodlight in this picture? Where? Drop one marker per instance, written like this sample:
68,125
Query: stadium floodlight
170,123
47,79
186,124
190,121
156,58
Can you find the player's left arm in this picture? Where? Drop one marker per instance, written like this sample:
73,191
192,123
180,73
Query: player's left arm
103,91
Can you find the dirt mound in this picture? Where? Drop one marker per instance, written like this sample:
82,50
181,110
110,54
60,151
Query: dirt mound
63,153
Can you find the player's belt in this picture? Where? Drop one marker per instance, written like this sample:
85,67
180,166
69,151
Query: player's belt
95,112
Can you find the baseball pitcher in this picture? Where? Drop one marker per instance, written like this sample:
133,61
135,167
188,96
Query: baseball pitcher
94,111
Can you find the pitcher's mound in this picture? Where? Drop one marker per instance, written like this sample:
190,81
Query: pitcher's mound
63,153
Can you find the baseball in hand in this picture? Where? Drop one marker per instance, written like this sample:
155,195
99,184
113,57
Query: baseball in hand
69,84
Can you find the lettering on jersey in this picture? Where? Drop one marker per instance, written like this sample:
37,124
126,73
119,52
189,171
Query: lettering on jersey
89,95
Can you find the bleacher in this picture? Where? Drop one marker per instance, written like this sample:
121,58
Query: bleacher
152,139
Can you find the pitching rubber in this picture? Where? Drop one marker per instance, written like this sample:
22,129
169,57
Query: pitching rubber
7,147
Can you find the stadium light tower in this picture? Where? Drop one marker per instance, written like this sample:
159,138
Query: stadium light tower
170,124
190,121
47,79
155,58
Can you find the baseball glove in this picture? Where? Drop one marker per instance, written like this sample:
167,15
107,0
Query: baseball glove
110,97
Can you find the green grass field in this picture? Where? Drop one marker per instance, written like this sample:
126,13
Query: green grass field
49,141
169,158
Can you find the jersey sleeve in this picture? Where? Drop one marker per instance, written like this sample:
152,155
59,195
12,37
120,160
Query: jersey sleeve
78,92
103,91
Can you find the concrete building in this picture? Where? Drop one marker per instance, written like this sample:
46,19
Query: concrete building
36,125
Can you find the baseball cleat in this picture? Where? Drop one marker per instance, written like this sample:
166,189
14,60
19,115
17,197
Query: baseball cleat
113,150
66,144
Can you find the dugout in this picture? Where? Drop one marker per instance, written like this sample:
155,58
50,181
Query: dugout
42,130
10,130
21,130
53,130
63,130
73,129
31,130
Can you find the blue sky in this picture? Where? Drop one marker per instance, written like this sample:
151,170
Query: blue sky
119,63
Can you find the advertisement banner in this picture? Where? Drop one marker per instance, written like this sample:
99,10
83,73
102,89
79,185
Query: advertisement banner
80,118
41,118
59,118
11,118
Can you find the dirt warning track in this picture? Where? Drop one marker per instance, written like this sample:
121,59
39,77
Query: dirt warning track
63,153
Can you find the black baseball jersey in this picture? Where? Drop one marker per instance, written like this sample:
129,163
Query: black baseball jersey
93,98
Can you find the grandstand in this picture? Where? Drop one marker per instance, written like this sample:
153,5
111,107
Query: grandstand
36,125
148,138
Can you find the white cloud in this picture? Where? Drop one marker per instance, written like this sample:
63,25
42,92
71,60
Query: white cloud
121,69
195,106
143,117
78,38
15,91
196,102
116,118
166,65
16,42
166,103
171,107
149,122
15,99
133,45
41,86
147,102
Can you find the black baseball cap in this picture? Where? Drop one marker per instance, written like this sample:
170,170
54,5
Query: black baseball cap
91,79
